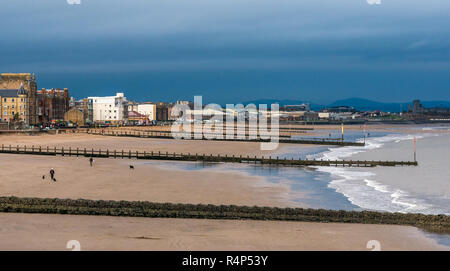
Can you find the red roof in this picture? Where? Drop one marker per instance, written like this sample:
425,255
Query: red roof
134,114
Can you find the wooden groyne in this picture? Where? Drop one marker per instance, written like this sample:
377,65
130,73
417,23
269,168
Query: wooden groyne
145,155
224,132
169,135
150,133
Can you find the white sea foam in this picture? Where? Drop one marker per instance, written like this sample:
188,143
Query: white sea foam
439,128
371,143
360,187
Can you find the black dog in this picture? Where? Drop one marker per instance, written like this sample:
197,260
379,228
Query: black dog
131,167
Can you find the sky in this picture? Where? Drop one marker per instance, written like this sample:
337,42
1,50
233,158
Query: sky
232,51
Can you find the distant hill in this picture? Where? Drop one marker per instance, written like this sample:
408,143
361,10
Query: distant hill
369,105
313,106
428,104
358,103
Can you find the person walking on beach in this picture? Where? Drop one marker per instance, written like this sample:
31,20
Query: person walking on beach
52,174
91,161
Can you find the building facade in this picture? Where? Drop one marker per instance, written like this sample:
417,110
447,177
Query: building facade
162,111
14,104
13,82
52,104
137,118
112,109
148,110
85,106
75,116
22,101
151,111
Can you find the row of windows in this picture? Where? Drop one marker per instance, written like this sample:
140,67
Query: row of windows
13,106
5,119
12,100
13,113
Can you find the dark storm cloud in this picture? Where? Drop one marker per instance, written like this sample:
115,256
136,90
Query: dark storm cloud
284,48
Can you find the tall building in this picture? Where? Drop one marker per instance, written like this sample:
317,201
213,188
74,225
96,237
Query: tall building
13,104
21,100
52,104
26,83
162,111
417,107
112,109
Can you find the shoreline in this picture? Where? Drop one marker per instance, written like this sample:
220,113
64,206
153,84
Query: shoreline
182,186
395,146
390,187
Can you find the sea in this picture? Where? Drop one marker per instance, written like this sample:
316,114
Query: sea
405,189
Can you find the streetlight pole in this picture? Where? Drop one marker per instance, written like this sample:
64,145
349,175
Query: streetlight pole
415,149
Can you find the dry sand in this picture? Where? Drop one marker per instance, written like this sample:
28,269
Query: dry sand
142,144
112,179
52,232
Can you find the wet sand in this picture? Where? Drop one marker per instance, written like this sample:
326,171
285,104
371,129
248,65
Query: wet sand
112,179
52,232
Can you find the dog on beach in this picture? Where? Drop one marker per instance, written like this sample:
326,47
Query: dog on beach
131,167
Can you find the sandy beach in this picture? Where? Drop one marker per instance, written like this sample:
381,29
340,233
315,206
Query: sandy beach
81,140
112,179
52,232
224,126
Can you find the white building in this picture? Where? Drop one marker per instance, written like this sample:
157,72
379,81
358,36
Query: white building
148,110
109,109
324,115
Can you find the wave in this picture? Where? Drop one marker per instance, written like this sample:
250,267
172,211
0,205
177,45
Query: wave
339,153
359,186
439,128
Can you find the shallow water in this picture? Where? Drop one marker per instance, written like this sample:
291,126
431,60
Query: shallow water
422,189
396,189
313,185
